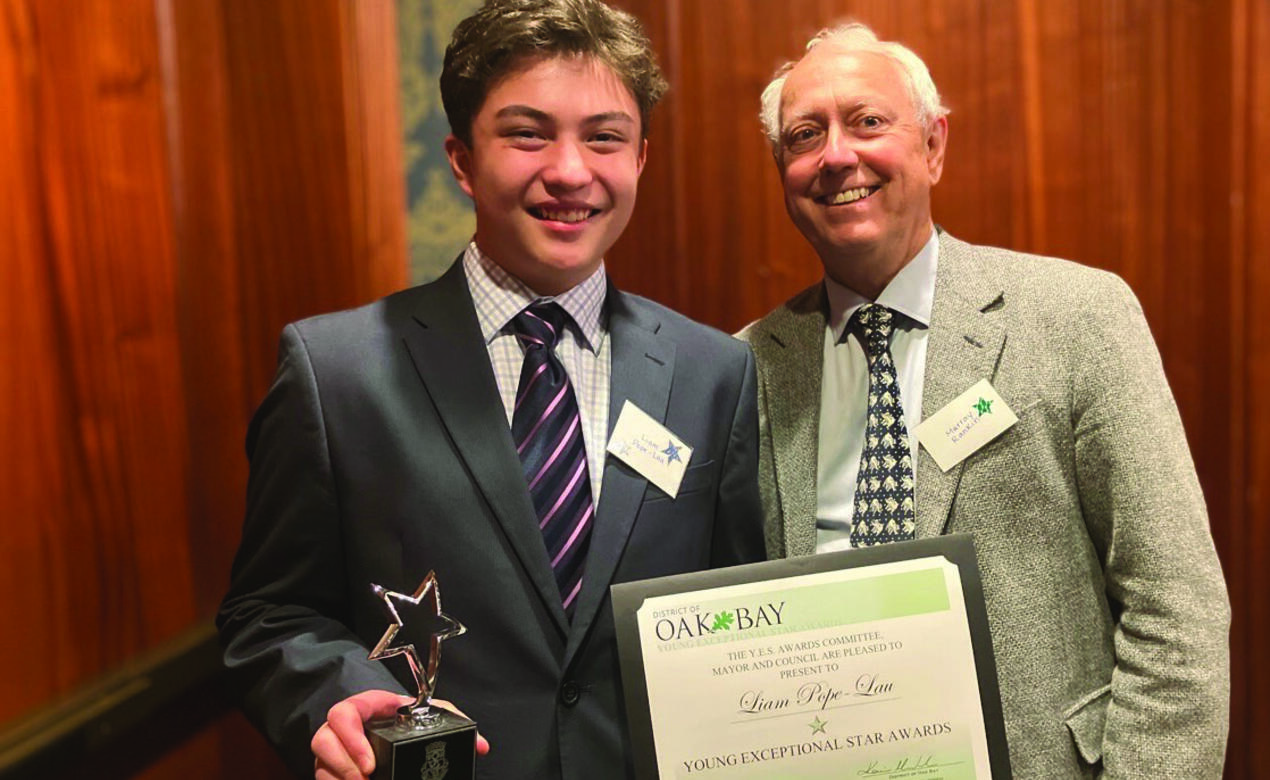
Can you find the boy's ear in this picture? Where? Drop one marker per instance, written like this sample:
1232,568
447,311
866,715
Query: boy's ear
460,158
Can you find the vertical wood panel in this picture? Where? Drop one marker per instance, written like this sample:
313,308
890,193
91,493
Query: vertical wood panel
199,140
1246,533
94,400
29,386
179,178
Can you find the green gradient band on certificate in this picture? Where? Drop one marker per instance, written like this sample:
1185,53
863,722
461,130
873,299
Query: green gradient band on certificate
863,672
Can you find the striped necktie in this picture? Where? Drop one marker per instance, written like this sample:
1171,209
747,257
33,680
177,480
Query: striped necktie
884,487
547,429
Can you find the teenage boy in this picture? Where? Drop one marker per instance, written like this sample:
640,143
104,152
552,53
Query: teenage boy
461,427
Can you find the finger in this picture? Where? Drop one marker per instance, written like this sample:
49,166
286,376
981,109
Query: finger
331,759
344,722
377,704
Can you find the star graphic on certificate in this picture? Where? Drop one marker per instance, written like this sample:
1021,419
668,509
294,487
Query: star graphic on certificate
425,605
672,453
818,725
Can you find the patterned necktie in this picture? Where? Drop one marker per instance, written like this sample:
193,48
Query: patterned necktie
884,487
547,430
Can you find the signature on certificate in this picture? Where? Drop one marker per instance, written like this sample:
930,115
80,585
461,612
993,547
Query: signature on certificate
904,765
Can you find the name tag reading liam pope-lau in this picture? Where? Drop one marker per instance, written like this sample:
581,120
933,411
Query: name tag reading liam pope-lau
650,448
871,663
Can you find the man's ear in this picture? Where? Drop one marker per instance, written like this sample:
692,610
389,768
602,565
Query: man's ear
460,158
643,156
936,145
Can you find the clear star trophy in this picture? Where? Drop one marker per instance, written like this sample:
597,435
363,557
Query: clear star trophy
422,742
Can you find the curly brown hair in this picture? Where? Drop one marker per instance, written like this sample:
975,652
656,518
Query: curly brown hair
487,45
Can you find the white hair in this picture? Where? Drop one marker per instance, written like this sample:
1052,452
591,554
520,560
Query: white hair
858,37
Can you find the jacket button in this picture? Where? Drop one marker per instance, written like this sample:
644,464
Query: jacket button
569,693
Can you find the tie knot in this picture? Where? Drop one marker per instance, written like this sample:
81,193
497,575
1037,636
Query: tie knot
877,322
540,324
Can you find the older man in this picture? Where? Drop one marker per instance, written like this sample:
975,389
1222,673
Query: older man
1108,611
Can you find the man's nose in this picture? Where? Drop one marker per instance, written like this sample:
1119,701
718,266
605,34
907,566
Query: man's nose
839,151
568,167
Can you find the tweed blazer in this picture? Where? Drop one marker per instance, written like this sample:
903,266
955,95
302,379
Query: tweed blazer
1105,598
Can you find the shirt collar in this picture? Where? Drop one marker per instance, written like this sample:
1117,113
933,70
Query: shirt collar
499,297
911,292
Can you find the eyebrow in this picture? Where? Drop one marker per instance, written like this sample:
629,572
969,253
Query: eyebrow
529,112
610,116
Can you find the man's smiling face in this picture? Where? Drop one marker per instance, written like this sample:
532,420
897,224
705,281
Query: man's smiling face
556,154
856,164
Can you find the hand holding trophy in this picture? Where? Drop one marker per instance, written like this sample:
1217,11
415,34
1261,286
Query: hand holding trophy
423,742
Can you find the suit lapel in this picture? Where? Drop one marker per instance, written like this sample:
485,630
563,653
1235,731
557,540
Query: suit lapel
450,358
790,372
643,365
965,346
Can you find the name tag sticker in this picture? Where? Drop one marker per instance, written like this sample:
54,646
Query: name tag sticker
647,446
973,419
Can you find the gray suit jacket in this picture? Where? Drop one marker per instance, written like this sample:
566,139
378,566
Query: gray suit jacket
383,452
1106,601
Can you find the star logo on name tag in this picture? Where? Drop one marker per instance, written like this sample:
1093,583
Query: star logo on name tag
983,407
671,452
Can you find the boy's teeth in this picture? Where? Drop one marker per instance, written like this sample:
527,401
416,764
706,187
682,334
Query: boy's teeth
565,215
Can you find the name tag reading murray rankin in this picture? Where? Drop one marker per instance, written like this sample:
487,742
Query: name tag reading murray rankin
872,663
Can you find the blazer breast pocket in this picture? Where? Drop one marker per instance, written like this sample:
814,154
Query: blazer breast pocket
1027,425
696,478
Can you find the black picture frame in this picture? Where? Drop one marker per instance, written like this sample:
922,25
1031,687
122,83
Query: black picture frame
958,549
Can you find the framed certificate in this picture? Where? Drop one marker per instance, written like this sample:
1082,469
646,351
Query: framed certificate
871,663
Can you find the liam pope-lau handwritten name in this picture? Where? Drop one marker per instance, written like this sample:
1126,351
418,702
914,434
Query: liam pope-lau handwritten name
819,695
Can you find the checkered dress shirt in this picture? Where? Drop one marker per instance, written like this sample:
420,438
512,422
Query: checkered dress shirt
499,297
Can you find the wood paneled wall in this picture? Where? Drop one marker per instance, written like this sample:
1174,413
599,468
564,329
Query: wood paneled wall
179,179
1129,135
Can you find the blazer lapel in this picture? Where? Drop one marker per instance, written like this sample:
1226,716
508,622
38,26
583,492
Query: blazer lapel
790,352
449,356
965,346
643,365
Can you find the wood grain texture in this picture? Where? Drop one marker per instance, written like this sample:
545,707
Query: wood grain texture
95,429
180,178
1244,536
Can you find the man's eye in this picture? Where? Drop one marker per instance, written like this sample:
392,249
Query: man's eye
801,138
872,122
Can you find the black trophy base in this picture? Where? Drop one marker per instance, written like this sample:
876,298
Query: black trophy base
443,750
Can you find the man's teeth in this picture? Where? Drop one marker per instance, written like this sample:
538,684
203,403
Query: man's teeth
564,215
849,196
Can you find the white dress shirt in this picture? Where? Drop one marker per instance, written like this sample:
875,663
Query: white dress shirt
844,389
584,352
